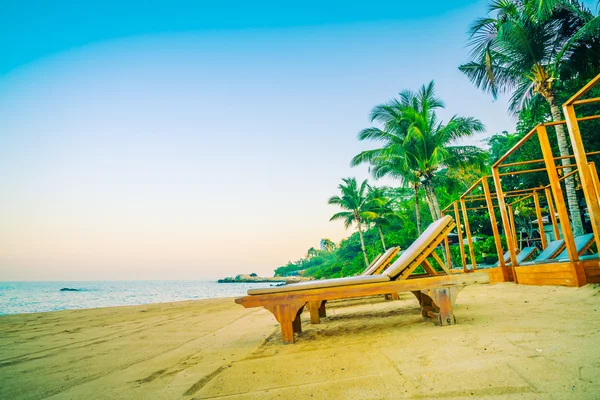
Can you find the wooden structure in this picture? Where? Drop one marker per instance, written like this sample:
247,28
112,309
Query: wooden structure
435,291
381,262
575,271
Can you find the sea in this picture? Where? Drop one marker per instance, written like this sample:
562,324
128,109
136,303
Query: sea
31,297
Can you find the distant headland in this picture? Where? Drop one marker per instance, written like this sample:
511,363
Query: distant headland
253,278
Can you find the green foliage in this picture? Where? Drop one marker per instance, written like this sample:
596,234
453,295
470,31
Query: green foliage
541,52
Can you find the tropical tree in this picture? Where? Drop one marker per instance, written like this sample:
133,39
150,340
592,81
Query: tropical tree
357,203
381,206
328,244
394,167
413,139
526,47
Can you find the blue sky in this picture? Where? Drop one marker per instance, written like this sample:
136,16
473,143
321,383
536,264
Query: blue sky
189,140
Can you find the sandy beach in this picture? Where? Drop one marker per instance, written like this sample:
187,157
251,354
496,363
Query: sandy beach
511,341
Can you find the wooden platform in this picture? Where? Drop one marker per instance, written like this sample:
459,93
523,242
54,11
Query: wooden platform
555,273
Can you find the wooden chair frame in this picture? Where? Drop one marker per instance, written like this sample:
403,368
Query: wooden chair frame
436,295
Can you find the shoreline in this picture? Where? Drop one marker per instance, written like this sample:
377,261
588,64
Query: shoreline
512,341
27,298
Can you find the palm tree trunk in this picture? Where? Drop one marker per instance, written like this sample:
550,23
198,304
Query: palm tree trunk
417,209
381,236
436,204
574,211
436,213
429,202
362,242
432,202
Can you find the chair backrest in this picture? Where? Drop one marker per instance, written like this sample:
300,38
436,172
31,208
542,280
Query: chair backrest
525,253
381,261
551,250
371,264
581,244
419,246
506,259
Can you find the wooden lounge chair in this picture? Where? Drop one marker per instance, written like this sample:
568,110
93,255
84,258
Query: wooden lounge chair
525,254
582,244
436,294
372,263
548,254
381,262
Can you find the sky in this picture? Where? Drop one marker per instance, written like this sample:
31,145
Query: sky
195,139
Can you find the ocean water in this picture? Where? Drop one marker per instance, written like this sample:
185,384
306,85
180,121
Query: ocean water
29,297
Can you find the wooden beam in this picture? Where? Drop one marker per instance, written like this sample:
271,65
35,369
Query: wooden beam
498,242
447,246
541,160
461,245
552,213
473,186
520,200
588,118
429,268
586,101
560,203
505,224
538,213
468,232
515,147
583,91
594,173
511,216
440,262
527,171
585,175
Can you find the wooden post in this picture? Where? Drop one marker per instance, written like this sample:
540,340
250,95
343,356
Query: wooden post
448,253
511,216
444,298
468,232
585,176
538,213
579,273
288,316
297,324
595,179
461,245
552,213
317,310
505,223
499,249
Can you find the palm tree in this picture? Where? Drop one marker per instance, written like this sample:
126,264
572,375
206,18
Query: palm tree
415,140
394,167
356,201
328,244
384,213
525,47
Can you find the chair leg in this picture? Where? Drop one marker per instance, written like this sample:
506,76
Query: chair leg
313,307
444,298
288,316
317,311
426,303
322,310
296,323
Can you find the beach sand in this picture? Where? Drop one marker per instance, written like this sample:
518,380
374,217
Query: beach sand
511,341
